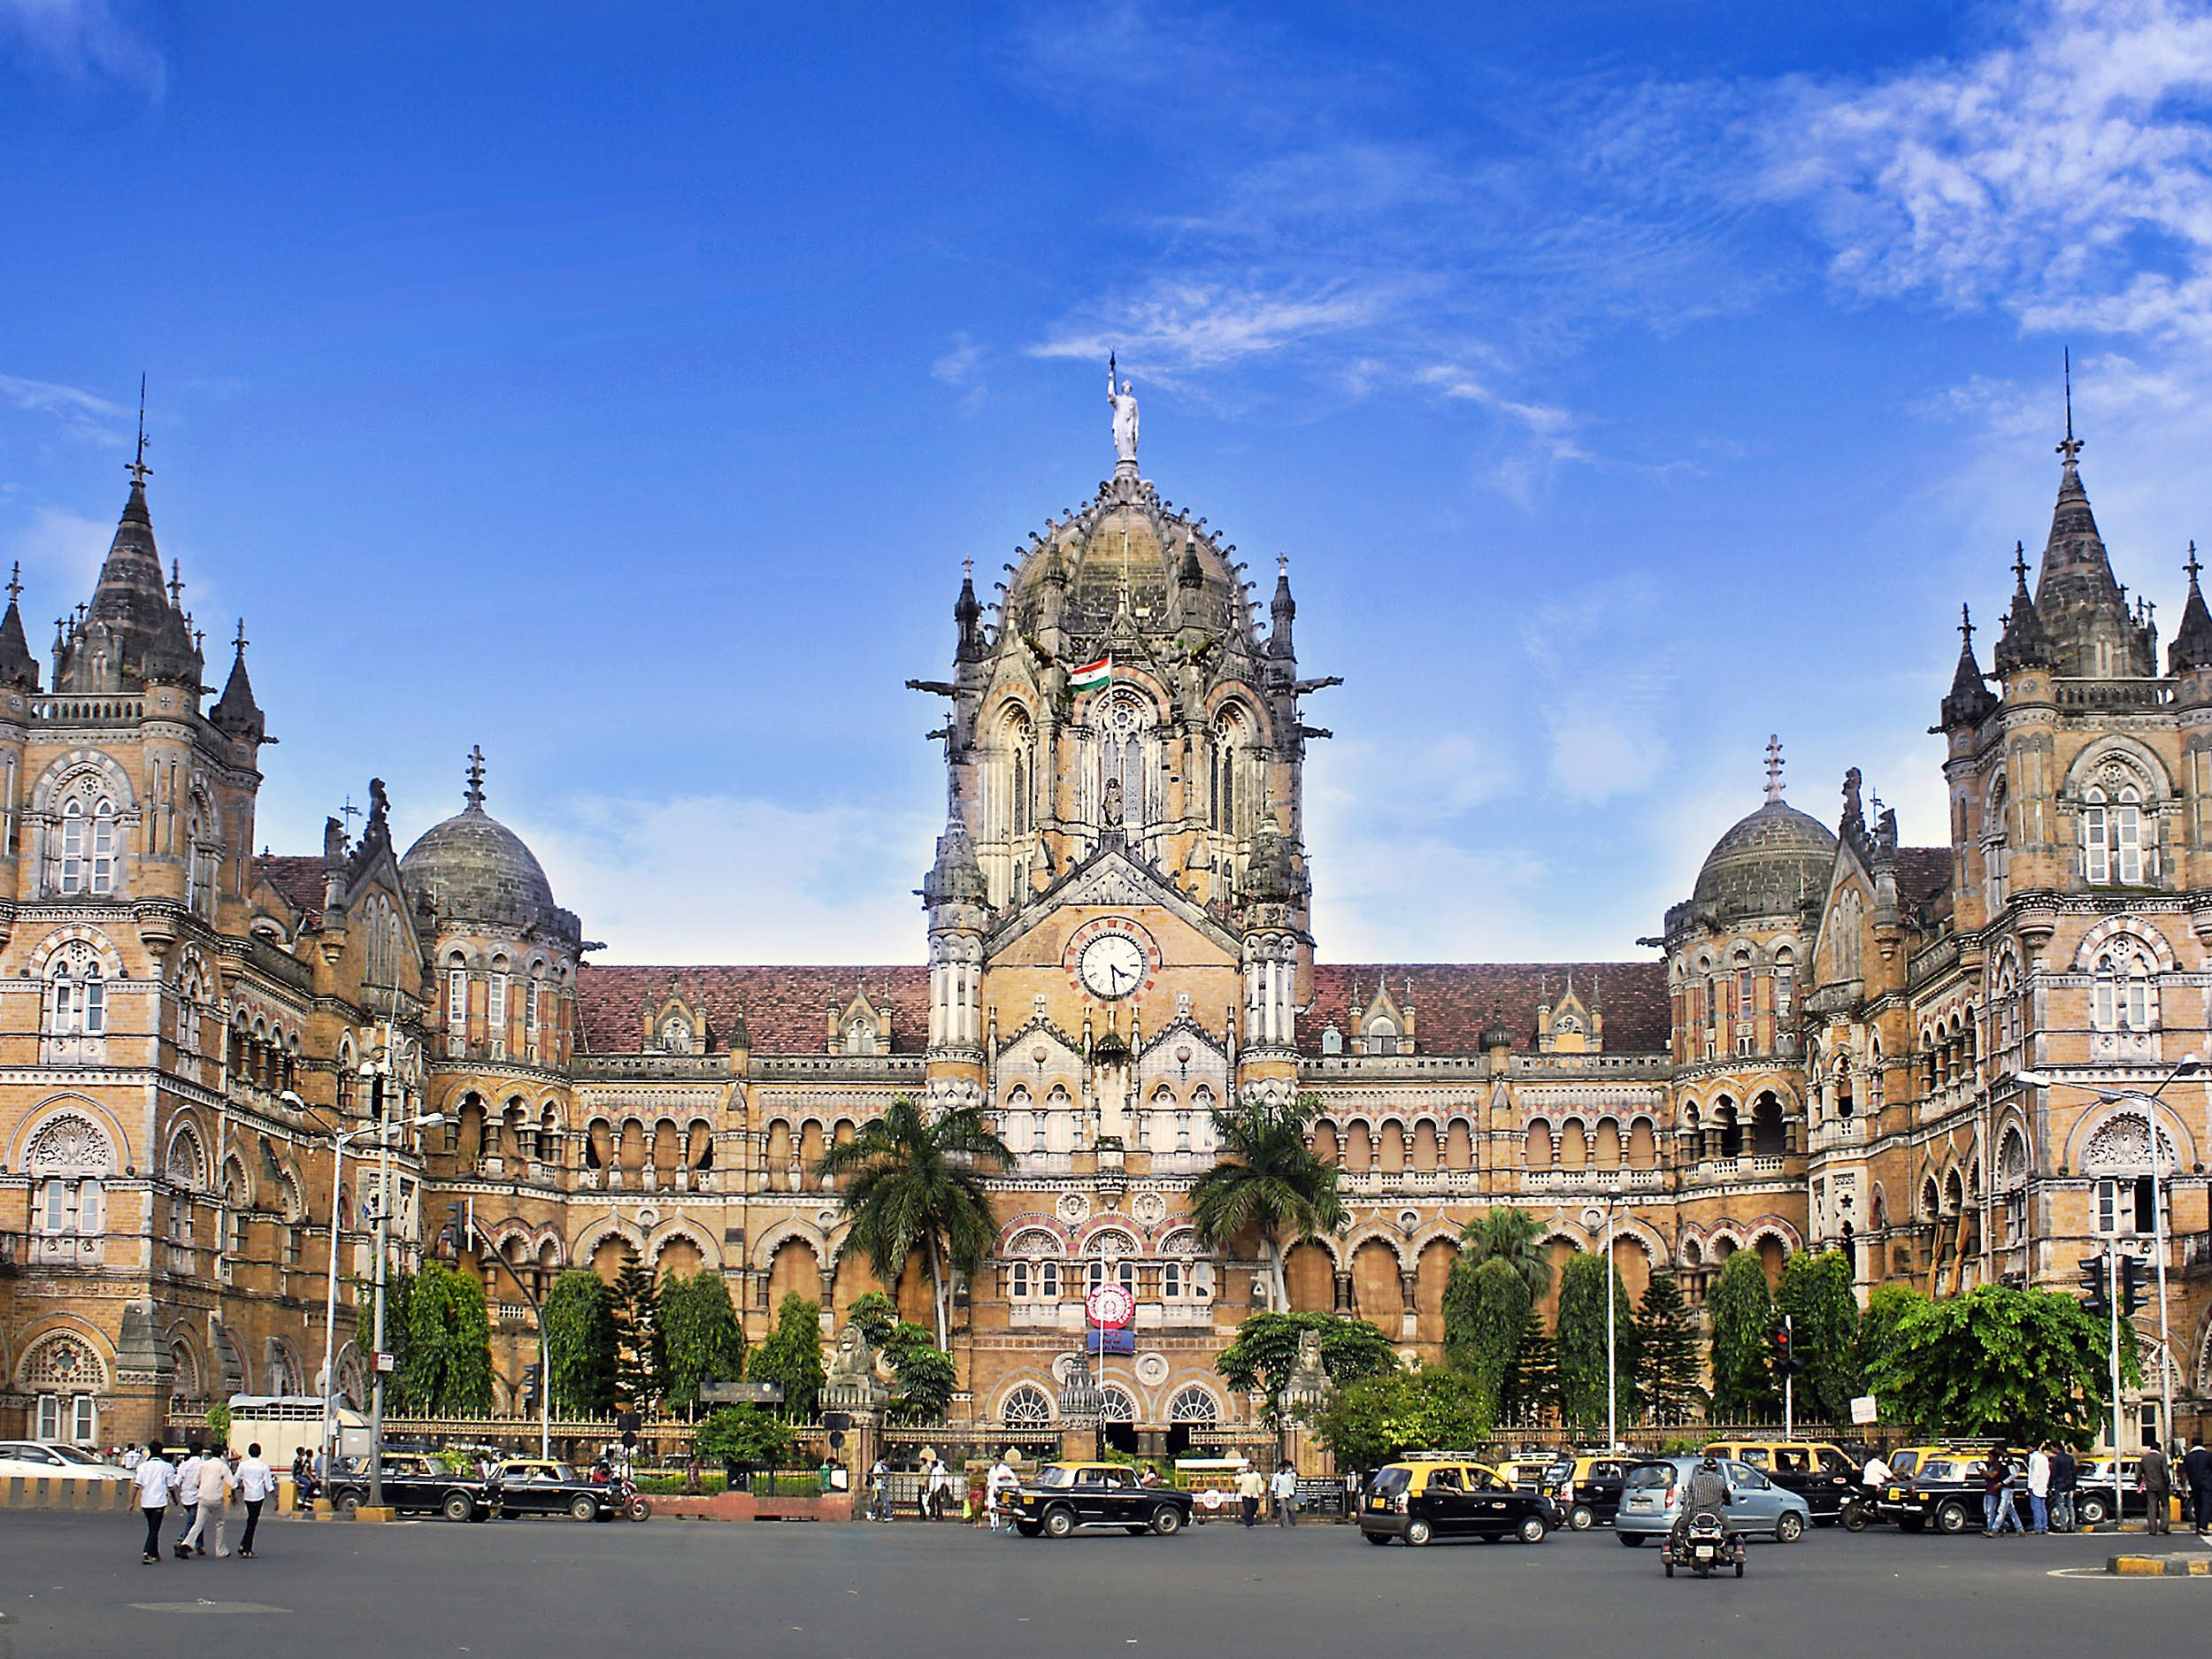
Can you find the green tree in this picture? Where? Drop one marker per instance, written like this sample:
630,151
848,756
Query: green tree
792,1355
2028,1366
1264,1351
907,1182
1742,1310
1486,1310
399,1290
1532,1383
1817,1295
449,1369
640,1363
745,1435
923,1375
1515,1237
1886,1310
1380,1417
580,1343
1666,1354
703,1340
1267,1183
1580,1336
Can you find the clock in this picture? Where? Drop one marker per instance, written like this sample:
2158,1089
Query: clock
1113,966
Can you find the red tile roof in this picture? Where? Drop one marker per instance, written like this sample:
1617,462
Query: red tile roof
1452,1001
1923,872
299,880
785,1009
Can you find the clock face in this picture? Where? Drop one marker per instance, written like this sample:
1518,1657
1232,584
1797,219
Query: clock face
1113,966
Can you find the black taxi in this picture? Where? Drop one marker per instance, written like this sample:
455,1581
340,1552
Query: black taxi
1064,1496
1417,1499
414,1483
1586,1490
1819,1471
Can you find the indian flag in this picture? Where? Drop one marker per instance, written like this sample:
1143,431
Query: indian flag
1093,676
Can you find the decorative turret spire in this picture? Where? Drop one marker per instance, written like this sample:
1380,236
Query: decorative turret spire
1970,700
2025,643
1774,769
472,797
235,712
968,613
19,668
2083,609
2192,645
1282,612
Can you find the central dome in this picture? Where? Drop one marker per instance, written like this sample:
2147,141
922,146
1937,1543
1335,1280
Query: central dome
473,868
1769,864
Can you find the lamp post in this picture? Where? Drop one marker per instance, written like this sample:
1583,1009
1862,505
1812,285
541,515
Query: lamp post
2148,1099
382,1070
1612,1371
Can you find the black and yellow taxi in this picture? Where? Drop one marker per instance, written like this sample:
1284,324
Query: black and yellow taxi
1937,1484
1062,1497
1819,1471
1586,1490
1418,1499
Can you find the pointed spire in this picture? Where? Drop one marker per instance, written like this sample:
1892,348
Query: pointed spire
19,668
472,797
132,632
2083,609
2025,642
1774,769
1970,700
968,613
1190,573
235,712
2192,644
1282,612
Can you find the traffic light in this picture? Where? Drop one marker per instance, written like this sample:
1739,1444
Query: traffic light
530,1374
1786,1359
2130,1285
454,1236
2094,1301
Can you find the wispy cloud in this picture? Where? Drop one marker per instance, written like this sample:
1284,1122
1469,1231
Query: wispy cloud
961,367
84,40
1176,327
82,412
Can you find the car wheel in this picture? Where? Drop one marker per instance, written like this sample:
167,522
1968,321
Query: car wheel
1059,1522
1531,1530
1028,1529
1670,1569
1376,1537
457,1506
2090,1512
1630,1539
1789,1527
1739,1570
348,1502
583,1507
1950,1517
1912,1524
1167,1520
1580,1519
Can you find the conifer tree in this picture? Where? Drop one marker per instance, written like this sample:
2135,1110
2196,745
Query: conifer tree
640,1366
1667,1349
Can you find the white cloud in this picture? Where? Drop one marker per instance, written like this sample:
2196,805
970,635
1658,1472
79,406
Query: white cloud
61,553
1175,327
82,413
961,367
83,39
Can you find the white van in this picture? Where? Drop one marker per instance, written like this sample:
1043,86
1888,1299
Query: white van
282,1423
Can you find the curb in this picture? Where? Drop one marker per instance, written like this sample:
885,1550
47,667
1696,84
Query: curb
2160,1566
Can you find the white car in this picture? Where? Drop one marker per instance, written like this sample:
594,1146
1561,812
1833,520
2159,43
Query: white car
35,1459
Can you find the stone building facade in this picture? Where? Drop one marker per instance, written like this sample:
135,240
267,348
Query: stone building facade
1115,939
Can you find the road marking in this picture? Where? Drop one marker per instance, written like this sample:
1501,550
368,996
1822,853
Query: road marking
208,1607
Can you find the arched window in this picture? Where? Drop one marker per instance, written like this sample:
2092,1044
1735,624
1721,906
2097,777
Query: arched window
1122,721
860,1036
2120,989
1996,850
1026,1407
76,998
2112,836
1119,1408
1195,1406
1230,744
1382,1036
496,1008
66,1377
1110,1255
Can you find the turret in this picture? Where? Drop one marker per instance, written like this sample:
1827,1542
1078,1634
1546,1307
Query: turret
1281,614
235,714
19,668
1970,702
2078,602
968,614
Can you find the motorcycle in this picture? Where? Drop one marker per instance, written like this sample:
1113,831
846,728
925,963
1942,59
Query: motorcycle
1858,1512
1704,1546
631,1501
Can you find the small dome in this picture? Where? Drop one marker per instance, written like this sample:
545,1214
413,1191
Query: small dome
473,868
1768,865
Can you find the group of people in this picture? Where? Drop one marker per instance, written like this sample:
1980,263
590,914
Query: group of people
2155,1479
201,1487
1278,1491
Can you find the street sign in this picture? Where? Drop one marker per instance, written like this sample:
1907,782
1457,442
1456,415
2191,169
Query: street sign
384,1362
1111,1341
1111,1306
741,1394
1864,1410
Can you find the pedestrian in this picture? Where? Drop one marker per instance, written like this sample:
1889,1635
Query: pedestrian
879,1492
1250,1489
2155,1476
2064,1473
212,1489
1284,1490
155,1479
827,1472
1997,1515
187,1489
996,1484
2039,1488
941,1490
691,1474
2196,1469
132,1458
256,1485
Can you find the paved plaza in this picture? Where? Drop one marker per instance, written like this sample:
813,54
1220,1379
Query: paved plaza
73,1585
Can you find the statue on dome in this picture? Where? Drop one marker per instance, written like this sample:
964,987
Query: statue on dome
1123,398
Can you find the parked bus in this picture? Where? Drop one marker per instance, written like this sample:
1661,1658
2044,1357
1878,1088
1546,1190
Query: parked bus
281,1423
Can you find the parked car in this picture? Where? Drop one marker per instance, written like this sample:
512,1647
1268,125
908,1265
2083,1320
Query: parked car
1066,1496
1757,1509
415,1483
1418,1499
37,1460
1944,1491
2092,1491
1586,1490
1819,1471
537,1485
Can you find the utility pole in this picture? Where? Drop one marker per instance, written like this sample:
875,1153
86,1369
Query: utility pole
383,1239
2112,1289
1789,1380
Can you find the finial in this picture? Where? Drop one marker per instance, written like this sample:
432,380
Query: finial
1966,627
967,569
474,794
349,811
1774,768
138,469
2072,446
240,641
199,641
15,578
176,584
1282,564
2192,567
2020,562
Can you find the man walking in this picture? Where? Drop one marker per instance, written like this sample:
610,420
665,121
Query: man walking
2155,1476
1250,1489
1997,1515
2064,1474
2039,1488
1284,1490
2196,1468
155,1479
187,1497
214,1484
257,1484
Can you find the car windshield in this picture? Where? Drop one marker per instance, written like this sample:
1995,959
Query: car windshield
75,1455
1650,1477
1390,1482
1939,1471
1052,1479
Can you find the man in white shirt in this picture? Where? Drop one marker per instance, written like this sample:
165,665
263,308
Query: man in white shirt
155,1479
2040,1488
257,1484
187,1495
216,1483
996,1484
132,1458
1283,1488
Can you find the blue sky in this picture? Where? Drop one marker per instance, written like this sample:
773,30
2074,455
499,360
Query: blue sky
620,388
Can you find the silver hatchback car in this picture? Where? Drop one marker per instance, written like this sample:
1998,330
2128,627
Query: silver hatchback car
1759,1509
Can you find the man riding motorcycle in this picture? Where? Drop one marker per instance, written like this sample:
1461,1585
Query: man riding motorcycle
1707,1488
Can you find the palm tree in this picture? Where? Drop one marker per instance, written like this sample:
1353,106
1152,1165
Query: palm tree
1515,1236
907,1181
1267,1182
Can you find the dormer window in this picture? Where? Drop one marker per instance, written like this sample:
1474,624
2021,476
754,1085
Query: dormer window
1382,1036
676,1035
860,1037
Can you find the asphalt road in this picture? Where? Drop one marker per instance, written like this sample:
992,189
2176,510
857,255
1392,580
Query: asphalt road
74,1585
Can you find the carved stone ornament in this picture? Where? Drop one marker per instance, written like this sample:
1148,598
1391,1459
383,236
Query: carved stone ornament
1148,1208
2122,1146
70,1145
1074,1209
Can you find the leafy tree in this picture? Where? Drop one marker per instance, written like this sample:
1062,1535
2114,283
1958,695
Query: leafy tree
1264,1351
1486,1310
1532,1383
1823,1312
1581,1342
399,1290
703,1340
1666,1353
448,1370
2030,1365
579,1344
1742,1310
1515,1237
792,1355
1378,1418
1886,1310
1267,1183
745,1435
923,1376
219,1421
640,1363
907,1182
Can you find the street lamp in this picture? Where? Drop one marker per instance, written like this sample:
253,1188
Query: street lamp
1612,1390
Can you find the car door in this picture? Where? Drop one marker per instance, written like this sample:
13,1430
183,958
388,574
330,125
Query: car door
1601,1490
1443,1500
1093,1494
1834,1479
526,1488
1494,1509
1756,1504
